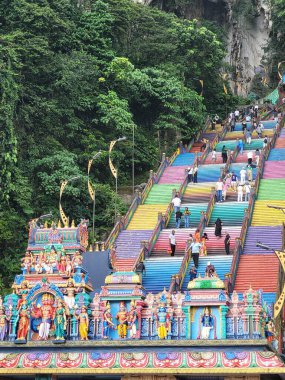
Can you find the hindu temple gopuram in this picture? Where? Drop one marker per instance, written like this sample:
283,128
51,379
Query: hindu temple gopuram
155,315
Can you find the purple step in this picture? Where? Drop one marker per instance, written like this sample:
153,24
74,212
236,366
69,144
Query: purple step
271,236
128,243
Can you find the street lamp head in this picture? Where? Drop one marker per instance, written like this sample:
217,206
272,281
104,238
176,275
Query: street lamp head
74,178
122,138
264,246
96,155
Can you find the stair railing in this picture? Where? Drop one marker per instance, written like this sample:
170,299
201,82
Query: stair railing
178,279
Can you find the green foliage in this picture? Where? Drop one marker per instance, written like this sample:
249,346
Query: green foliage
72,80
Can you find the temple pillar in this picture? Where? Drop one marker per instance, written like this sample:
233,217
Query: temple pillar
224,310
149,377
186,311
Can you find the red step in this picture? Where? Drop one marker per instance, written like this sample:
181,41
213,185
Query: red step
257,271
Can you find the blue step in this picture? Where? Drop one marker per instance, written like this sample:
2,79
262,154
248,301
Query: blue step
236,167
195,209
277,155
185,159
159,271
209,173
230,213
222,265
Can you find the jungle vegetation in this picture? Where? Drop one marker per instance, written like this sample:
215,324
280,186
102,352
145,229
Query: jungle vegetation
75,75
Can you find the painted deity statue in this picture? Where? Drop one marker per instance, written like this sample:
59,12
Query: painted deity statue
3,323
23,321
83,323
54,235
60,321
162,322
77,260
122,318
27,262
46,314
132,321
70,290
107,321
62,262
207,322
210,270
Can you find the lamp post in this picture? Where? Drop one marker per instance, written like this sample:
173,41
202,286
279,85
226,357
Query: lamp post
281,256
114,171
64,218
277,208
92,192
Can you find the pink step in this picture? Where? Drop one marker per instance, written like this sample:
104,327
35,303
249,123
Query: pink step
274,169
173,174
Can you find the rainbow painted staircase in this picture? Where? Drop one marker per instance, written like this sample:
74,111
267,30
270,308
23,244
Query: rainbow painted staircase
152,219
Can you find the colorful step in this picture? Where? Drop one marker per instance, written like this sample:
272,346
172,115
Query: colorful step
146,217
231,144
216,245
277,155
209,173
267,235
161,194
195,209
230,213
198,192
158,272
185,159
222,265
162,244
257,272
270,189
274,169
173,175
265,216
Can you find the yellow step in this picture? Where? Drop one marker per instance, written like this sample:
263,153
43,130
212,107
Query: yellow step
145,217
265,216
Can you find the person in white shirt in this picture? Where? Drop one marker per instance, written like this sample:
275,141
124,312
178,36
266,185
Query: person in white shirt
242,176
240,193
172,242
176,201
236,114
190,174
265,142
249,157
219,189
247,191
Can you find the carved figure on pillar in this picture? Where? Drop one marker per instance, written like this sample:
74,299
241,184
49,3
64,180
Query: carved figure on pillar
45,314
133,321
107,321
3,323
83,323
60,321
207,324
24,321
162,322
27,262
122,318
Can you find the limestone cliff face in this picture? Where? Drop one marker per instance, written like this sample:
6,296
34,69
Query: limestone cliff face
247,24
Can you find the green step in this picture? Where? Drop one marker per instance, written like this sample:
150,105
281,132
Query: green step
161,194
272,189
230,213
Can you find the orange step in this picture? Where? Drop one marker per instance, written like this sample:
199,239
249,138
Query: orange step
257,271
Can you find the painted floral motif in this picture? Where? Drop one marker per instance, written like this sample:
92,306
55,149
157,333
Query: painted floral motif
236,359
167,359
268,359
202,359
37,360
9,360
134,360
68,359
101,359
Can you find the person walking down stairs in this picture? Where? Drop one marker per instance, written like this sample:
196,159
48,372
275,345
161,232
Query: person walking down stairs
172,242
178,216
187,214
227,243
176,201
240,193
190,175
219,189
218,227
195,249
